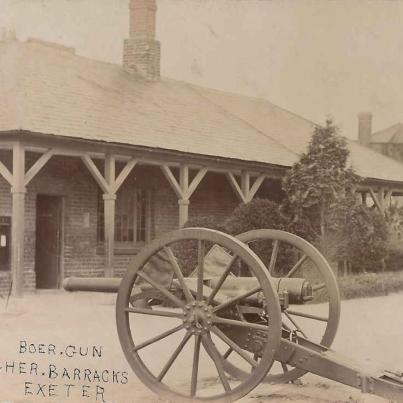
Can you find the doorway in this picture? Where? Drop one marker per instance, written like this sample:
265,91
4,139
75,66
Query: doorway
48,241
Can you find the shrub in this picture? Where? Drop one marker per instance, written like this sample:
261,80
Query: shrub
258,214
366,239
394,260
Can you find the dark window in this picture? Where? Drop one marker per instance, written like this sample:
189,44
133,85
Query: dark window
132,217
5,241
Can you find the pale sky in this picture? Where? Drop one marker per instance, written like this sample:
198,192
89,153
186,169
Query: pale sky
313,57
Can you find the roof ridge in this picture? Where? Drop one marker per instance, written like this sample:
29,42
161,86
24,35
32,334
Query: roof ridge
243,121
377,133
258,98
67,50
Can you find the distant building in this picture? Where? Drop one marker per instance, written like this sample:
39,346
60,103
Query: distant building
388,141
97,159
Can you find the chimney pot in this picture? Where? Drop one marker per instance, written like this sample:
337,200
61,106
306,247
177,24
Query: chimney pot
364,128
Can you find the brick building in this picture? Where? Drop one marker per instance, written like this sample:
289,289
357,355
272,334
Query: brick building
96,159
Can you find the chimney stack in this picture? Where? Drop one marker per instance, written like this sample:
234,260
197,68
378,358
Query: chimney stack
364,128
141,52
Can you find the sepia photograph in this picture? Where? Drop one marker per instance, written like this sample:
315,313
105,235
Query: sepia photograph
201,201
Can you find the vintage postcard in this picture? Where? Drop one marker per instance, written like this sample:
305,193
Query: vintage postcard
200,200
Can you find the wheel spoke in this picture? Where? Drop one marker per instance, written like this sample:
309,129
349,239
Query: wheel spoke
309,316
200,270
221,280
217,359
158,338
273,258
227,353
233,347
161,288
195,369
297,265
238,298
318,287
295,324
177,270
174,356
154,312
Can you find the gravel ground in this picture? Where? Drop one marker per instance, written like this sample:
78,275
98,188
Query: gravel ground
57,324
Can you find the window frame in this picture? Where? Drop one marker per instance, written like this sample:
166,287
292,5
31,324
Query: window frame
124,247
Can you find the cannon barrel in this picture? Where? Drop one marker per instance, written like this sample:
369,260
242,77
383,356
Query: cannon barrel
94,284
299,290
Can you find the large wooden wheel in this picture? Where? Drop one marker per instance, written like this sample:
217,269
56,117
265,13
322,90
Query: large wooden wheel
291,256
156,339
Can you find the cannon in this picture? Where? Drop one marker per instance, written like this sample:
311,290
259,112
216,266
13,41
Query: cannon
260,307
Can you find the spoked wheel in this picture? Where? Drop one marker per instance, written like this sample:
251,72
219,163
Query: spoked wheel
178,349
289,256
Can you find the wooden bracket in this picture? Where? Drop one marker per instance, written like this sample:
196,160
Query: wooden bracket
234,184
94,171
6,174
376,201
245,191
38,165
172,181
182,188
123,175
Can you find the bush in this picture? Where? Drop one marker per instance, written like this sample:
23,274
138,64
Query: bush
366,239
394,260
370,284
258,214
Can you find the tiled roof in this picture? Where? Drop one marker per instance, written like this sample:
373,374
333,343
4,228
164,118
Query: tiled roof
294,132
392,134
48,89
59,93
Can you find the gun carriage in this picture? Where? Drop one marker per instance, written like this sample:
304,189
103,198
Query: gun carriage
249,304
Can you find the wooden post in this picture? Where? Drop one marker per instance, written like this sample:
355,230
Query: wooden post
18,220
183,211
109,185
109,223
381,198
183,189
388,198
184,202
245,185
109,215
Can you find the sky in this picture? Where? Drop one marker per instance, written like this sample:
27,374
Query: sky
316,58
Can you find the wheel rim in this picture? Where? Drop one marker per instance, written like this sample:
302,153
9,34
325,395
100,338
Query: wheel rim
330,284
202,319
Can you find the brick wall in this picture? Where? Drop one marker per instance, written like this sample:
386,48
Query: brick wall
141,52
82,254
213,197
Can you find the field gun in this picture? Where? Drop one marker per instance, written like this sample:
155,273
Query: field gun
260,307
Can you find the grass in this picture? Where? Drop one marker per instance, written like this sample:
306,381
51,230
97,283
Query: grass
370,284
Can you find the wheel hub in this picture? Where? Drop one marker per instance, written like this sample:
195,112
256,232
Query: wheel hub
197,317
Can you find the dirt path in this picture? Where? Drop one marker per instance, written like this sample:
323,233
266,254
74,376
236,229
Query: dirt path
371,332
